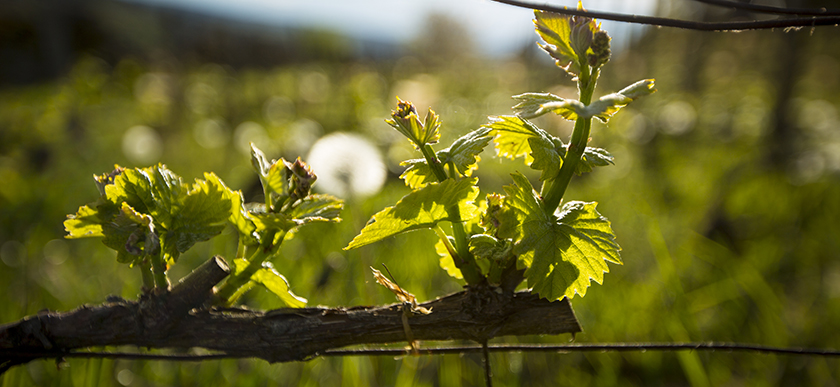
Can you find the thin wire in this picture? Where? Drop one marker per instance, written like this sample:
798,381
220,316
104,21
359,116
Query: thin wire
560,348
770,9
684,24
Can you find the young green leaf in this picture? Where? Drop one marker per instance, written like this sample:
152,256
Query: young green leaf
535,104
511,134
418,173
592,157
406,121
423,208
561,253
268,277
463,154
317,208
516,136
606,106
464,151
180,214
568,38
446,261
197,215
499,219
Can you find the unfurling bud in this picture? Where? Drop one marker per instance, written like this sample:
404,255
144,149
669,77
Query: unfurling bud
301,180
600,49
107,178
406,121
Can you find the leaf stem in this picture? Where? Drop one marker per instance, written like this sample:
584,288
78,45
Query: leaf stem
464,260
146,274
239,279
580,137
159,271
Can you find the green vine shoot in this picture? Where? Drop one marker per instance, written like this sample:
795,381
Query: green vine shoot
557,246
151,216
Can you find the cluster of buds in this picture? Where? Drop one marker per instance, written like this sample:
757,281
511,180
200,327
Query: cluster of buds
600,49
107,178
499,220
585,45
406,121
301,178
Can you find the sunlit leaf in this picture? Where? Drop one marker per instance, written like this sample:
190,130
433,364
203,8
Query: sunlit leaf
561,253
418,173
606,106
536,104
511,134
547,153
317,208
196,215
516,136
267,277
446,261
499,219
464,151
555,30
423,208
143,205
273,221
591,158
406,120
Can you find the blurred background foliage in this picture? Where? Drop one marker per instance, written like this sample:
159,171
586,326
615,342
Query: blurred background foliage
724,196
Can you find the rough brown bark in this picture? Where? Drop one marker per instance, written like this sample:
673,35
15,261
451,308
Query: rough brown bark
278,335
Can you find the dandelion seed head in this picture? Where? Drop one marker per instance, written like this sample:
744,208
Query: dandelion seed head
347,165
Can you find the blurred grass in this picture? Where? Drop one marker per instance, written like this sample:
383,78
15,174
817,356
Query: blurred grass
725,238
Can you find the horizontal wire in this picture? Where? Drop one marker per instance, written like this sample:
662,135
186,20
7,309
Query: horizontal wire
684,24
771,9
560,348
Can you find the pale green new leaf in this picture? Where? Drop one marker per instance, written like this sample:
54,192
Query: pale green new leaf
180,214
418,173
273,221
561,253
606,106
516,136
591,158
536,104
446,261
463,153
317,208
555,31
547,156
269,278
196,215
511,134
87,222
422,208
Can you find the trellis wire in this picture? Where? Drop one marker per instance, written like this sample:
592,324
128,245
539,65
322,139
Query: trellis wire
796,22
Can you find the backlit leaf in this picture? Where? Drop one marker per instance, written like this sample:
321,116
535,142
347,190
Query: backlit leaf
464,151
561,252
269,278
417,174
516,136
423,208
446,261
317,208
